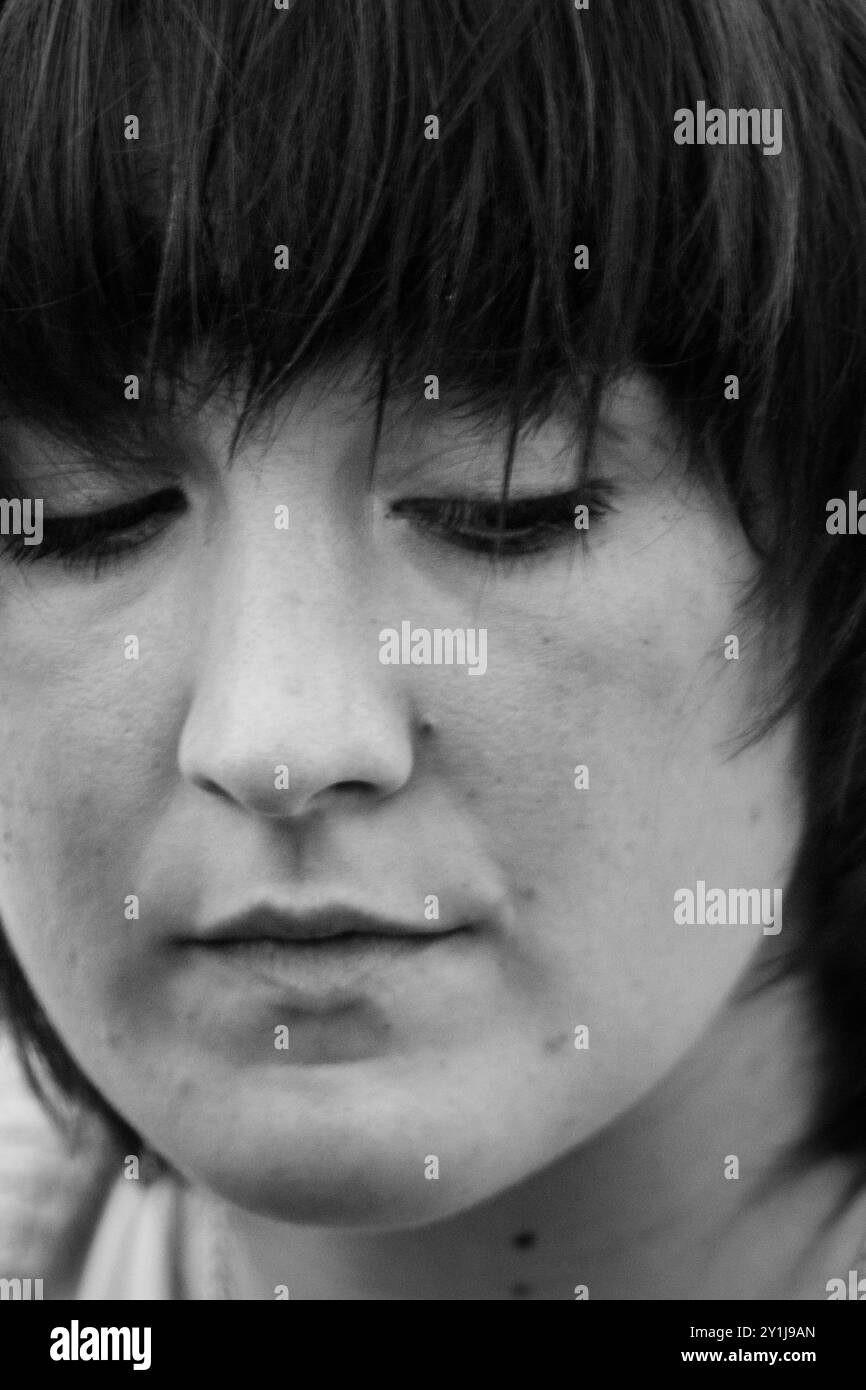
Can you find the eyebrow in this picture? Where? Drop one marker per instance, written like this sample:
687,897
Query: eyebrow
486,439
27,452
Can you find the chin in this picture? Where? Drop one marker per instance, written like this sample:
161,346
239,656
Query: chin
364,1187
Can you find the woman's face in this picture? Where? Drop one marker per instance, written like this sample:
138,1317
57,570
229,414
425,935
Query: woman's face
202,729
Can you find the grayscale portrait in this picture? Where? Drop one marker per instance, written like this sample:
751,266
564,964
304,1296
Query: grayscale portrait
432,650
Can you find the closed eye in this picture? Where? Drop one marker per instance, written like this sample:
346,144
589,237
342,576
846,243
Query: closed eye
525,526
96,539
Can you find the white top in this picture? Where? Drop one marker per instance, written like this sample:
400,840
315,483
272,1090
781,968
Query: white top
75,1222
133,1251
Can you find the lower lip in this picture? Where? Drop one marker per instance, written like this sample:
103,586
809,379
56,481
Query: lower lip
326,974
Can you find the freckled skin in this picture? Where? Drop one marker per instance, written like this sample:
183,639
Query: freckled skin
260,648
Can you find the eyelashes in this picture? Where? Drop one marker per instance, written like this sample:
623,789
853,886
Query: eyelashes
524,528
95,540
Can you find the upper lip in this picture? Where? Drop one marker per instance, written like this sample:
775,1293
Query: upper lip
316,924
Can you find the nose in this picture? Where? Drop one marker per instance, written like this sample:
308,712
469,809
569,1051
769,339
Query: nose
290,708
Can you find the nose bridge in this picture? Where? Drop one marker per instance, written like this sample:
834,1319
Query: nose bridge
289,700
283,598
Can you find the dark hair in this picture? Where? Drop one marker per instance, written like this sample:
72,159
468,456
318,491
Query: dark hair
262,127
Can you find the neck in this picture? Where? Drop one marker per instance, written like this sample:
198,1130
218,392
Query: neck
649,1209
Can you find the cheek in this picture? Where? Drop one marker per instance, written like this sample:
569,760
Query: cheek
633,685
625,676
82,771
90,706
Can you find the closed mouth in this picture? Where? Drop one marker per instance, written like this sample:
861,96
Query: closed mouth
335,926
